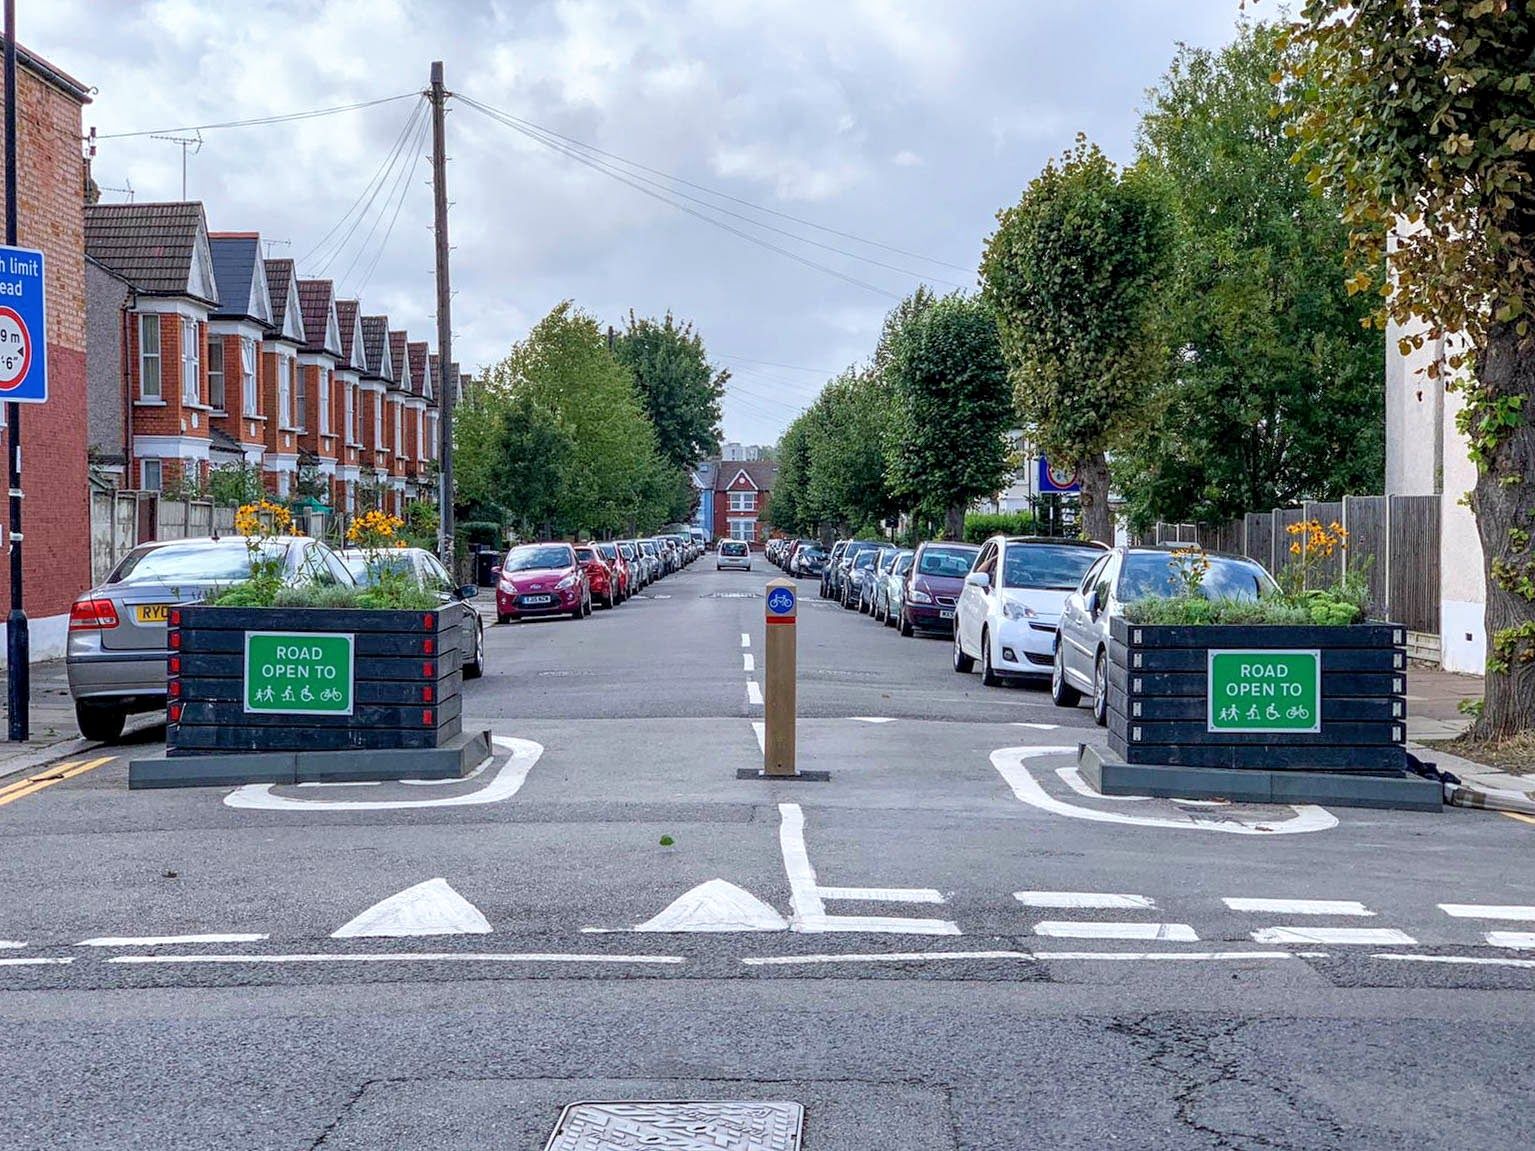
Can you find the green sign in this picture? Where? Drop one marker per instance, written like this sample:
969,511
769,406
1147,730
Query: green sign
1265,691
304,673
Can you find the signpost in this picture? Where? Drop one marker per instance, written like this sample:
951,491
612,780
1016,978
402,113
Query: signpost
1264,691
304,673
779,703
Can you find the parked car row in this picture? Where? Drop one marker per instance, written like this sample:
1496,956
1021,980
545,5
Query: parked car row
1024,608
557,578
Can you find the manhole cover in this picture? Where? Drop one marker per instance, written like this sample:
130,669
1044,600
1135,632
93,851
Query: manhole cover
729,1125
733,595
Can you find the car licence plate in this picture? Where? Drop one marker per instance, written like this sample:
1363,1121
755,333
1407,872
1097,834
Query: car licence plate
947,613
151,612
535,600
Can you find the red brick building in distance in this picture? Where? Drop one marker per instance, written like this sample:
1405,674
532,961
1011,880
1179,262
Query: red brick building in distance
50,184
741,492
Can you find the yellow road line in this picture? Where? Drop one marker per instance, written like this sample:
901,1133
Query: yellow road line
1521,818
55,774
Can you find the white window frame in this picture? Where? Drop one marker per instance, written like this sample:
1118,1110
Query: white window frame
191,364
325,401
158,485
432,436
349,413
737,527
248,389
378,421
420,435
743,502
284,392
150,321
399,428
216,345
301,400
282,485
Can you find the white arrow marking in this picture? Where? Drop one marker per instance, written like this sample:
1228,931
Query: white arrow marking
716,906
430,908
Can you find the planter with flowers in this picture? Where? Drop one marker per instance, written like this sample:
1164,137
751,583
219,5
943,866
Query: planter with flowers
295,673
1294,697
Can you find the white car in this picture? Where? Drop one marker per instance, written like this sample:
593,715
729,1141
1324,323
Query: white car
733,554
1010,607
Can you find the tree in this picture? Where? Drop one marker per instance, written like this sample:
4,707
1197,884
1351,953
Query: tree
534,454
952,410
681,390
1420,118
791,510
1276,394
849,450
1077,274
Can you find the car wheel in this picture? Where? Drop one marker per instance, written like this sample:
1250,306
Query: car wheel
905,627
609,602
579,611
1062,694
501,617
588,603
476,667
1101,690
989,677
963,663
100,724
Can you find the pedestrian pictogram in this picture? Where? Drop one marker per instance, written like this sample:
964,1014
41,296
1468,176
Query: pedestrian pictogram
23,327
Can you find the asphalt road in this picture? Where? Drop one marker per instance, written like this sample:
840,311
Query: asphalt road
945,946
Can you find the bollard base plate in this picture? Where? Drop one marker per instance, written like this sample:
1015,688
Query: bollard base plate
806,776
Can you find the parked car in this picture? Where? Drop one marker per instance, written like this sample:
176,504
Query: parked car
868,583
426,572
542,580
599,576
621,574
653,559
116,651
1080,658
809,561
833,558
891,587
635,562
857,566
1011,605
733,554
844,565
932,586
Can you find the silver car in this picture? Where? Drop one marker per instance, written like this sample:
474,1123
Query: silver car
427,573
891,587
733,554
115,658
1081,665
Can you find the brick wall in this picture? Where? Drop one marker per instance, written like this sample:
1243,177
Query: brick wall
50,187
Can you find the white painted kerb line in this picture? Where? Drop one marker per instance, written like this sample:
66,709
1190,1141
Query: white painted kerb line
1098,900
753,693
1088,929
1352,936
403,957
164,940
1298,906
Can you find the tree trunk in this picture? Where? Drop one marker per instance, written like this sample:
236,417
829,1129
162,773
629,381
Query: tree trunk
1097,524
954,522
1504,502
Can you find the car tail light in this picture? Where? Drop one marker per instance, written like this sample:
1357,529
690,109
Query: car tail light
92,615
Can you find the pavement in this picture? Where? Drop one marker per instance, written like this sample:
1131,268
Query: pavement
952,944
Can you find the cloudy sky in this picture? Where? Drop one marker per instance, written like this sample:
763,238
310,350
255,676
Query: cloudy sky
884,135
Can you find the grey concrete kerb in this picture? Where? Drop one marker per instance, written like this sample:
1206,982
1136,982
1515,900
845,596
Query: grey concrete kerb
15,759
1472,773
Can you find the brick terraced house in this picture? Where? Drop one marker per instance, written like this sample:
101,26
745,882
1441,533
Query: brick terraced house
741,492
396,411
235,331
348,401
320,440
377,380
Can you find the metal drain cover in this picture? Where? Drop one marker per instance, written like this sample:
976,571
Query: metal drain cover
724,1125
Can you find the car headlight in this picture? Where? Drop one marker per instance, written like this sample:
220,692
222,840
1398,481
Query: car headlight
1017,611
568,582
917,595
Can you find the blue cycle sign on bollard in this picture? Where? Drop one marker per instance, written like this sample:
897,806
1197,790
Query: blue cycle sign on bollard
780,602
23,327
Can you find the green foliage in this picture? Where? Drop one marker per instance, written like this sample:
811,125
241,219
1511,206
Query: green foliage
487,533
421,524
680,389
1184,611
981,527
230,485
1077,274
1277,394
951,409
395,595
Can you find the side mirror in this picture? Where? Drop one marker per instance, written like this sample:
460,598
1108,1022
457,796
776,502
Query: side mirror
978,579
468,591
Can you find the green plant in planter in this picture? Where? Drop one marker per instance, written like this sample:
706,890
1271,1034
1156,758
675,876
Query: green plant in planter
1338,605
390,584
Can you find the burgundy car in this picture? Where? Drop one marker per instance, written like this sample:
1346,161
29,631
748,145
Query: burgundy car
933,585
541,580
622,575
599,576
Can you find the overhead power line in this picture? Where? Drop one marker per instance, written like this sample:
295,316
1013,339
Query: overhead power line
383,244
311,114
827,372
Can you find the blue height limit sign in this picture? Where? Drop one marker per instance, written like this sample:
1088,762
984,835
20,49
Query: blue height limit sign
23,327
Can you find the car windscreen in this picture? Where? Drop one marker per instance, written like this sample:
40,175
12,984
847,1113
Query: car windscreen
903,564
1156,574
1052,567
585,555
607,551
647,547
949,562
736,549
811,554
865,559
211,561
366,573
627,551
538,557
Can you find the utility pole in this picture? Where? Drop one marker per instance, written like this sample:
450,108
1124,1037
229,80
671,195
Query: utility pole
18,643
446,385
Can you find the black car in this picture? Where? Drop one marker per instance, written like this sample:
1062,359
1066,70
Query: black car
808,562
841,568
832,559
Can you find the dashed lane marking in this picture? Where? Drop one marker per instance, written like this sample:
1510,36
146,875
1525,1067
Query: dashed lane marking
165,940
1521,940
56,773
39,961
1096,900
1209,956
1351,936
1089,929
746,639
9,943
748,662
1488,911
1088,956
1474,960
753,693
403,957
1298,906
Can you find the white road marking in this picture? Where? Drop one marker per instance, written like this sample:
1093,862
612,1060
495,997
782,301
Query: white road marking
884,894
163,940
1010,766
5,943
1361,936
1298,906
661,596
40,961
343,783
715,906
405,957
753,693
806,897
746,639
429,908
524,753
1487,911
1523,940
1220,956
1038,726
748,664
1085,899
1073,779
1089,929
872,718
760,728
1477,960
881,957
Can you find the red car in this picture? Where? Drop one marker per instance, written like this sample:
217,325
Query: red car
542,580
622,575
599,575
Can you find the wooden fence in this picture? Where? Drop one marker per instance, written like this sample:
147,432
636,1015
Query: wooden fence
1393,543
121,520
